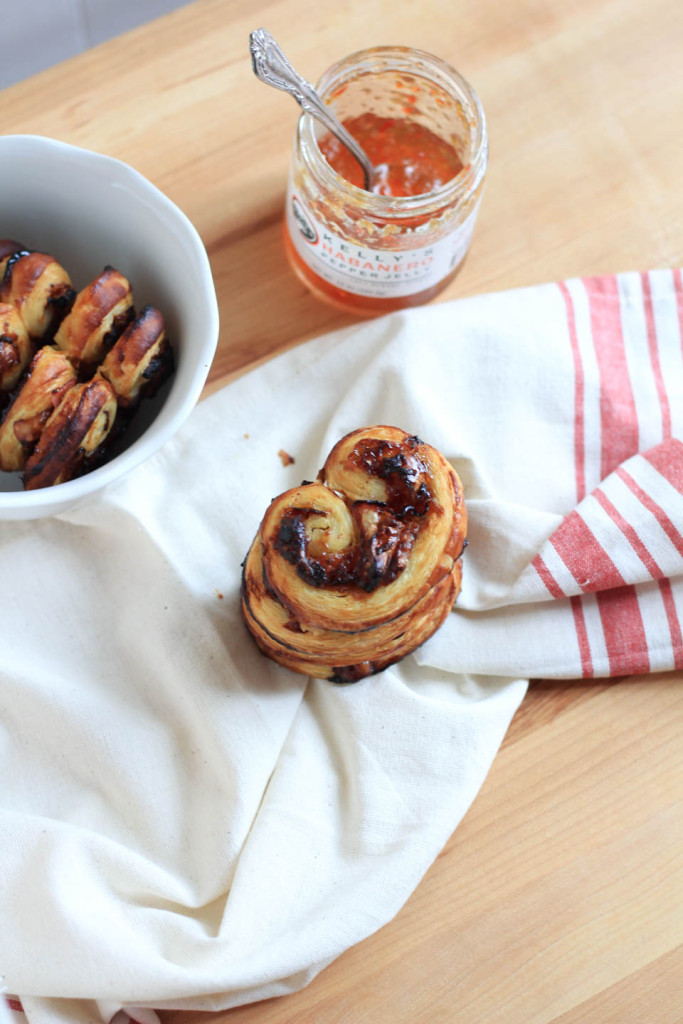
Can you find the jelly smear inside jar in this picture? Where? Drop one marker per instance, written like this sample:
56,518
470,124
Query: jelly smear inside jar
408,158
398,245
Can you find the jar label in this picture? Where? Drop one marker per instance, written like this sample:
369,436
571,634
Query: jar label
378,273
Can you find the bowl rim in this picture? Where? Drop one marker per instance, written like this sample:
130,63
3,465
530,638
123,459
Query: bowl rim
72,491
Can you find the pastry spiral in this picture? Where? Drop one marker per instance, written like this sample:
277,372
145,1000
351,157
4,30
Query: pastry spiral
15,347
349,574
76,428
37,286
50,375
100,312
94,357
140,359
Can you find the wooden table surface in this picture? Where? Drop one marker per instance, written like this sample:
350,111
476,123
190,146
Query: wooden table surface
560,897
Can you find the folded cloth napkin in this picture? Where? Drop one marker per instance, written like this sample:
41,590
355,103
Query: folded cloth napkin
185,824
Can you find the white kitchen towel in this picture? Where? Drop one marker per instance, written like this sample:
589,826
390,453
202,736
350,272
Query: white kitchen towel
185,824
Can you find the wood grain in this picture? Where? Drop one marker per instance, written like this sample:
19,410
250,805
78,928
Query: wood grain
583,103
558,899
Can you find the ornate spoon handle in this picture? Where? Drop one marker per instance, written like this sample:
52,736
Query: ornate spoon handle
273,68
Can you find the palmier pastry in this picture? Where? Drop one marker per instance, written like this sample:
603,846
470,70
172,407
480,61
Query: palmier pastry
38,287
50,375
76,428
141,358
351,573
15,347
100,313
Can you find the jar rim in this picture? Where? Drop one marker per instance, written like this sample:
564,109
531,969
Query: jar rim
419,63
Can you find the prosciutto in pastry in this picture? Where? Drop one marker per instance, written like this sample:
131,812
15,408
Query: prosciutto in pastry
352,572
75,429
50,375
90,343
37,286
100,313
15,347
140,360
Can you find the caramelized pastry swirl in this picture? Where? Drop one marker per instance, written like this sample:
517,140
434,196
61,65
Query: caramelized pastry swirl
55,417
100,313
349,574
140,360
15,347
37,286
76,428
50,376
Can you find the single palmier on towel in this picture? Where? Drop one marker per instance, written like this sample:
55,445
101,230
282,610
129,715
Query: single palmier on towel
50,375
352,572
37,286
99,315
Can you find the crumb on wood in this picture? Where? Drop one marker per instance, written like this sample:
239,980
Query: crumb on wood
285,458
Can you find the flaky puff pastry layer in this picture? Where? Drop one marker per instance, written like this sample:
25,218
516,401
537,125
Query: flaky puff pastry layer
50,375
38,287
76,428
349,574
99,314
336,654
15,347
141,357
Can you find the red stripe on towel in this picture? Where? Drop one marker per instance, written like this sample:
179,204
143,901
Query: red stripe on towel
548,579
672,619
654,356
667,459
631,536
620,614
618,415
582,636
577,611
674,535
622,625
584,556
654,570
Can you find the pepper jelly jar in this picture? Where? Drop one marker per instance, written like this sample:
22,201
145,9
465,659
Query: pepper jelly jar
372,253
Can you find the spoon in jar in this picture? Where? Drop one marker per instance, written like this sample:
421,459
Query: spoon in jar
273,68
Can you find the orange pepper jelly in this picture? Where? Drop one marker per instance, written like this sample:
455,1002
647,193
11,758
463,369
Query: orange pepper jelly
408,158
400,244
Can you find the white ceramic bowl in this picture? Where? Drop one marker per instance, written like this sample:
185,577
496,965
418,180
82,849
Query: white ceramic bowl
89,210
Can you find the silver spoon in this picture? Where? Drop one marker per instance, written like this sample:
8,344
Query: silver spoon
273,68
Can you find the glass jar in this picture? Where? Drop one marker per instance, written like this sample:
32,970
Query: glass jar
369,253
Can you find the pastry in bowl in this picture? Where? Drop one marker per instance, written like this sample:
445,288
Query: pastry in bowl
350,573
50,375
15,347
90,210
140,360
74,431
99,314
37,286
110,357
